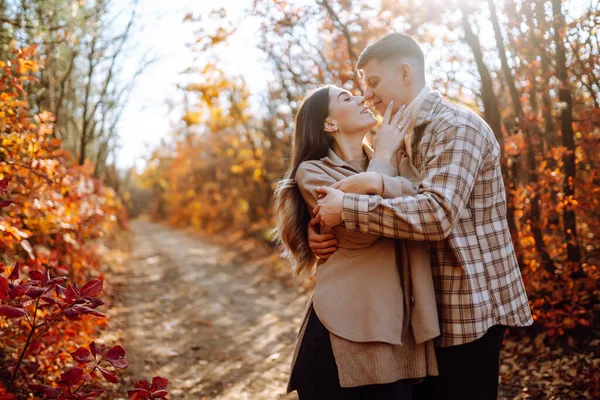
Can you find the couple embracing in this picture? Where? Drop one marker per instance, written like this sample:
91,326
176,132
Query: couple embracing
416,275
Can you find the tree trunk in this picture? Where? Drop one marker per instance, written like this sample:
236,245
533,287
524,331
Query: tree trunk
491,114
535,220
568,140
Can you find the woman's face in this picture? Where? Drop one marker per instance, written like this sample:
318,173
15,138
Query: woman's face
349,112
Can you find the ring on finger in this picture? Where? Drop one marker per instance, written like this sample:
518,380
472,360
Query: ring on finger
399,128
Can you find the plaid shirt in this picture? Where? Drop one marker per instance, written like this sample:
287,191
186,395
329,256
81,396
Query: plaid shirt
460,210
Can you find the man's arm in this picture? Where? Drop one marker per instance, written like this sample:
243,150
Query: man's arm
452,165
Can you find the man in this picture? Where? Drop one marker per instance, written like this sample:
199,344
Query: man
459,211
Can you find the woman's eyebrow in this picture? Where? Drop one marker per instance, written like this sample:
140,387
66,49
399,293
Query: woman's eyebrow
346,93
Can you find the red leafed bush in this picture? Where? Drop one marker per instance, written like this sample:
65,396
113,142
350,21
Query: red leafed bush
54,217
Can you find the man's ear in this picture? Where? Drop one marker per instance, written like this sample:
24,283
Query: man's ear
406,72
330,126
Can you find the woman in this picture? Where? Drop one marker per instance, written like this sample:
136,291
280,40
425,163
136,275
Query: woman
368,326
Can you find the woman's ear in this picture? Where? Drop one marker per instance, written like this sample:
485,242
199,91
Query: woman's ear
330,126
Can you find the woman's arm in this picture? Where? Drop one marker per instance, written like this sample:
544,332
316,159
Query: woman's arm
308,178
380,179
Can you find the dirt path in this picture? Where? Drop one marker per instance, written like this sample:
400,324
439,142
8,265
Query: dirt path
216,330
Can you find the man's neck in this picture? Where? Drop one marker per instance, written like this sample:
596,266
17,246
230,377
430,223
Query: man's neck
415,92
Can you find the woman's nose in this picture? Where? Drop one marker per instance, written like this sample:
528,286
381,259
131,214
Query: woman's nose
360,100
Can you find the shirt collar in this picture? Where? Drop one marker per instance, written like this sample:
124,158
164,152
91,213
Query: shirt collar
425,114
336,161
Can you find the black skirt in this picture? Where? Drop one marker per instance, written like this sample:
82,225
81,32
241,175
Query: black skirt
315,374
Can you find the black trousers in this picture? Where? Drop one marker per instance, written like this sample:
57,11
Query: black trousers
467,372
315,374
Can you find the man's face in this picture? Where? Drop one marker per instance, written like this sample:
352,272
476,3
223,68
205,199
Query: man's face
384,82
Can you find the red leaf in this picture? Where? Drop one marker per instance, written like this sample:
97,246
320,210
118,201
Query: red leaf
14,275
92,288
3,287
72,376
47,391
56,281
12,312
115,356
109,376
71,293
97,348
161,394
82,355
60,290
35,292
5,203
36,275
142,384
95,302
86,310
18,290
159,383
31,367
72,314
115,353
138,394
3,184
75,312
48,300
123,363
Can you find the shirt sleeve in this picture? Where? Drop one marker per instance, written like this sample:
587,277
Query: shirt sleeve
451,165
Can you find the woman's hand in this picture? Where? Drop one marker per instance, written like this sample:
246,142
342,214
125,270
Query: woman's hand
322,245
369,182
391,133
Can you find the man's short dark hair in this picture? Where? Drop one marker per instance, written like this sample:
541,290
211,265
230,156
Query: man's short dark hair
392,45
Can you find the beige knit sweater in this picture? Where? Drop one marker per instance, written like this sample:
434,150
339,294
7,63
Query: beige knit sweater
365,363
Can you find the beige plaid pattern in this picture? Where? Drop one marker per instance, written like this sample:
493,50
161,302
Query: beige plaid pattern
460,210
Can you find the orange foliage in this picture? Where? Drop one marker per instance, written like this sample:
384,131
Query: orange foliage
57,217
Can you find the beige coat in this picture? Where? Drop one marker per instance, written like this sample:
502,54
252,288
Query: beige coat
381,318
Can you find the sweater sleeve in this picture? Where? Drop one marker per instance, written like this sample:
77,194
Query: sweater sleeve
309,177
393,185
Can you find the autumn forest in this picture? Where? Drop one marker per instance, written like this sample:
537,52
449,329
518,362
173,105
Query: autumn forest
99,262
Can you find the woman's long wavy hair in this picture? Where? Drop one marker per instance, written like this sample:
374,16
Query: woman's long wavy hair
311,142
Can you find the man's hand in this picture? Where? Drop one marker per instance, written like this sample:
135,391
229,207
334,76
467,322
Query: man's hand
329,208
322,245
365,183
388,138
